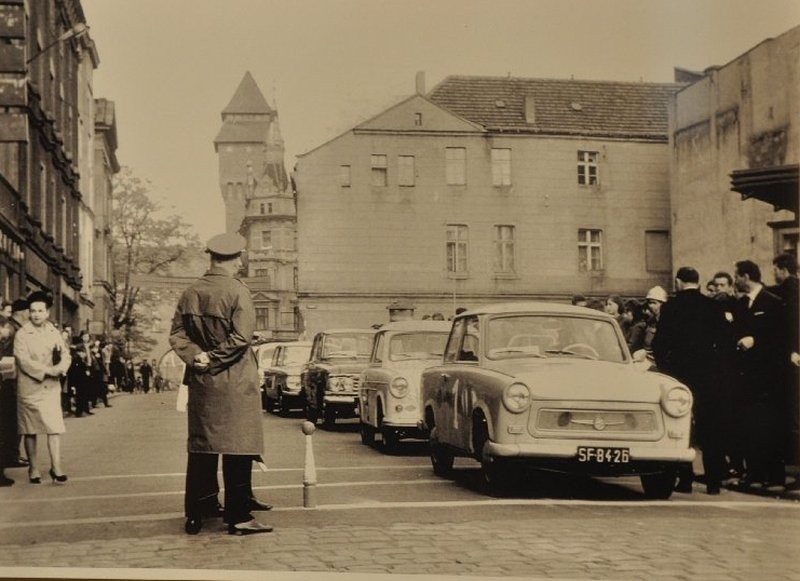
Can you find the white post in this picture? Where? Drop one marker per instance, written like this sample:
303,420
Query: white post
309,470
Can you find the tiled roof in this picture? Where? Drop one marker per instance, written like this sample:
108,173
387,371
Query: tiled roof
593,108
245,132
247,99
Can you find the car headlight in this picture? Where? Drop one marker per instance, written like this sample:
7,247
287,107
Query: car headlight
677,402
517,397
340,383
399,387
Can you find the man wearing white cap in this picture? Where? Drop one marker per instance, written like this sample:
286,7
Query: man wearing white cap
211,333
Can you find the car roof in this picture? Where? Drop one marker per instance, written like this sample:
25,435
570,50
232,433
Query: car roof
536,307
337,331
292,343
441,326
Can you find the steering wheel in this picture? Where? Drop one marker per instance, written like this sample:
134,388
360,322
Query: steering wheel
582,346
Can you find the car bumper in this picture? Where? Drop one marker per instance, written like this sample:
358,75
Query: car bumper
569,452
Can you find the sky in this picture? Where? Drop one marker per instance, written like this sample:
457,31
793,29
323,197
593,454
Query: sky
171,66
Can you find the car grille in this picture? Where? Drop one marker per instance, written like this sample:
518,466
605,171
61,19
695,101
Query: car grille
597,423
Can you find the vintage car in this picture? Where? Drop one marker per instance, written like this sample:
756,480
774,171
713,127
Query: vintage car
264,353
330,377
282,378
553,386
388,397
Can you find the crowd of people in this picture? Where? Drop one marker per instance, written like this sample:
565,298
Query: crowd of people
47,373
734,343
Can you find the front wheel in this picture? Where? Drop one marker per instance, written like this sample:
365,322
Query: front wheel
659,486
367,434
391,439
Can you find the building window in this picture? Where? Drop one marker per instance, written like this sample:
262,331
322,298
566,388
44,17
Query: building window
379,170
587,168
455,165
262,272
344,176
269,208
504,249
262,208
418,119
262,318
501,167
457,240
405,170
658,256
266,239
590,250
295,280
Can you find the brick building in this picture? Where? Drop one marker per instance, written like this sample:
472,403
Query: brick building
487,189
735,148
46,124
260,205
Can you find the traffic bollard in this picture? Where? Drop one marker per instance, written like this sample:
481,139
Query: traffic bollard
309,470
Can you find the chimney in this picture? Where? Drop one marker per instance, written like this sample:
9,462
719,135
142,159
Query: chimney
420,81
530,110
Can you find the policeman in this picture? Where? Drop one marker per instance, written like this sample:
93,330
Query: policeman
211,333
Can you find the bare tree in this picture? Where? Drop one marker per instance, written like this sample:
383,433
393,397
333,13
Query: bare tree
145,240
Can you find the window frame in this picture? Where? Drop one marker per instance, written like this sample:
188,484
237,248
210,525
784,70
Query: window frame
588,160
454,165
379,166
457,242
504,248
406,172
345,175
501,168
589,244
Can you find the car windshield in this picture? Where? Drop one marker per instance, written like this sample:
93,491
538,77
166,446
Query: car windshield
265,356
419,345
553,336
295,355
347,345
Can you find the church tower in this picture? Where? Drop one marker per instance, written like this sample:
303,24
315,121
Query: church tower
260,205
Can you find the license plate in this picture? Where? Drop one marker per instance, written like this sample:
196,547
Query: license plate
597,455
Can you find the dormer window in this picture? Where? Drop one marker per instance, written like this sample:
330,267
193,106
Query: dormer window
417,119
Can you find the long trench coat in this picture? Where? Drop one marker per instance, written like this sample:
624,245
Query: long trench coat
38,392
216,315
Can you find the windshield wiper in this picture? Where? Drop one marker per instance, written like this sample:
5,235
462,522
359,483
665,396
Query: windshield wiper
567,352
513,350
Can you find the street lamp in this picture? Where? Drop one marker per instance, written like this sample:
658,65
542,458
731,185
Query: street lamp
78,30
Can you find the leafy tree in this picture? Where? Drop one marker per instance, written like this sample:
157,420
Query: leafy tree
145,241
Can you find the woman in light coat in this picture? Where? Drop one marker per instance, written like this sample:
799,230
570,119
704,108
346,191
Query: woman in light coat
42,358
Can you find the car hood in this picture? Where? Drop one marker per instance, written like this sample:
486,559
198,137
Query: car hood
411,369
344,366
293,369
576,379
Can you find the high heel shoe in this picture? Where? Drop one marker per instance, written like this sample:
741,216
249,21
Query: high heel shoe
34,479
60,478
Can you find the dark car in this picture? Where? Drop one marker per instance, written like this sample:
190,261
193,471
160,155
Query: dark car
282,390
330,378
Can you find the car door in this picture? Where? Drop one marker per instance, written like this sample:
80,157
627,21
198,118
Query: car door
445,385
464,373
367,396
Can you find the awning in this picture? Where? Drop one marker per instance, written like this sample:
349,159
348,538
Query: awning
776,185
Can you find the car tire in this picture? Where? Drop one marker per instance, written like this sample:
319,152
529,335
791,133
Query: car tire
280,404
442,459
659,486
495,475
367,434
390,439
328,416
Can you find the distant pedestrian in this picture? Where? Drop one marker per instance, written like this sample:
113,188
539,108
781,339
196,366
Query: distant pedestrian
633,325
146,372
212,332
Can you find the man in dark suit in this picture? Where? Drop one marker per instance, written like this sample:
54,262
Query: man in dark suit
683,348
762,353
784,268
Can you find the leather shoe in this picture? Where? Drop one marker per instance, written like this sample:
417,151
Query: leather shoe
254,504
6,481
193,526
251,527
684,486
19,463
713,489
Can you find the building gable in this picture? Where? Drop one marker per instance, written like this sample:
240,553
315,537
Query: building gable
418,114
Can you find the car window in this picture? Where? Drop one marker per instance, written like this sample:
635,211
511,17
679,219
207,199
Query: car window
294,354
470,346
418,345
454,341
347,345
553,336
377,348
